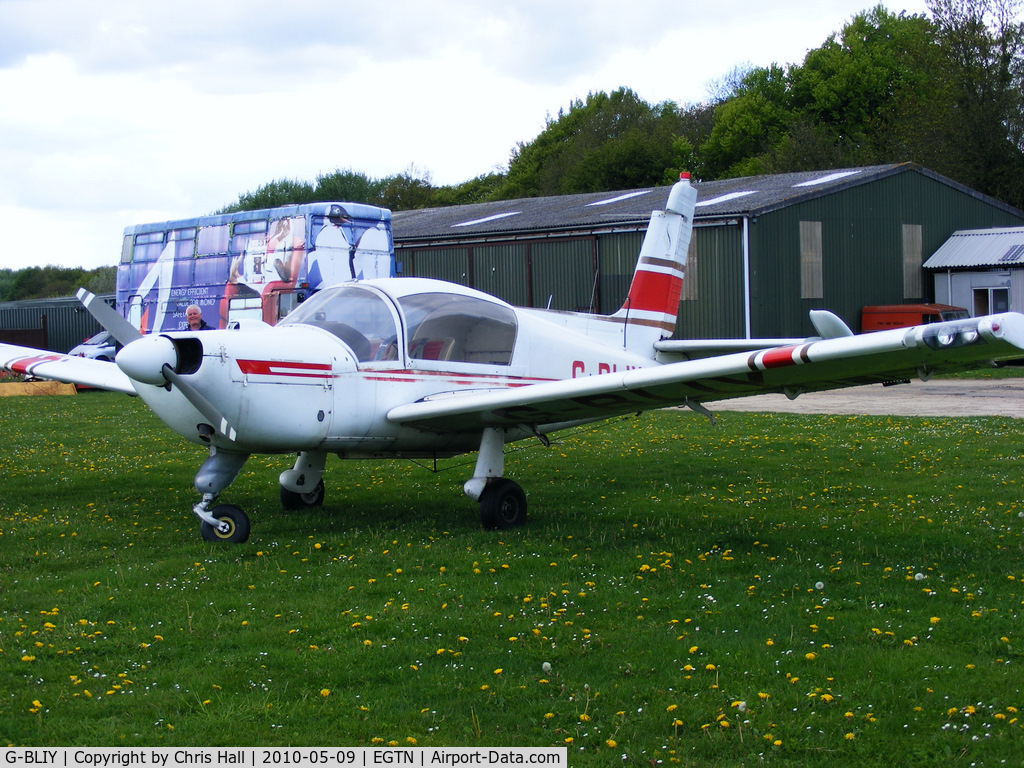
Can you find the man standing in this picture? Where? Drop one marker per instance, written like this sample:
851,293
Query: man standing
194,316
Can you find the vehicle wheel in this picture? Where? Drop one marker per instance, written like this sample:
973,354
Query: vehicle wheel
293,500
237,529
502,505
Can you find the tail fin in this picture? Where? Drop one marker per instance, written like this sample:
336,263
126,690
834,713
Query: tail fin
649,312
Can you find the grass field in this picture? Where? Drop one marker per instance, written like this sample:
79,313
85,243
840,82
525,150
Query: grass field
778,590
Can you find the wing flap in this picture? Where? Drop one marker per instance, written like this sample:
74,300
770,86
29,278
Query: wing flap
75,370
792,369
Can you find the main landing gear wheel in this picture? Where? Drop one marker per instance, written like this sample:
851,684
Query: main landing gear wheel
234,525
293,500
502,505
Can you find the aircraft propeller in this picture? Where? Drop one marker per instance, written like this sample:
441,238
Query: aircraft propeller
154,360
107,316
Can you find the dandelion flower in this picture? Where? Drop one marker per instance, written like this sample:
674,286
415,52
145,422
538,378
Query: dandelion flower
325,692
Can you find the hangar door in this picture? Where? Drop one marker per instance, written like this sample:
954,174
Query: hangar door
562,275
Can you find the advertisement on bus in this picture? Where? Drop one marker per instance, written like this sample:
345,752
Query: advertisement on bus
254,265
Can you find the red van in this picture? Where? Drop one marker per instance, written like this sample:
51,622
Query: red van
884,316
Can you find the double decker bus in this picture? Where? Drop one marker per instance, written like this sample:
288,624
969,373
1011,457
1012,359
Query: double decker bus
247,265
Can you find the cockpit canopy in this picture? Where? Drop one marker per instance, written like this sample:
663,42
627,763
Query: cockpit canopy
441,326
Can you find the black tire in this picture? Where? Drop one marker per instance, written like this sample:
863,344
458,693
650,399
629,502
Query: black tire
502,505
237,525
313,498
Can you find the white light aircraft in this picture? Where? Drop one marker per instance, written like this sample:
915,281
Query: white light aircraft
411,367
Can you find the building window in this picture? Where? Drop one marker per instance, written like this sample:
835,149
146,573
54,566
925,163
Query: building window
690,272
811,279
913,279
991,301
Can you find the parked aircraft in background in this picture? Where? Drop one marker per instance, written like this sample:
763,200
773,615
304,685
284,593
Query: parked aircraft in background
410,367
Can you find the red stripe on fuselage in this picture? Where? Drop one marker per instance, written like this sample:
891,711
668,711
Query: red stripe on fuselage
279,368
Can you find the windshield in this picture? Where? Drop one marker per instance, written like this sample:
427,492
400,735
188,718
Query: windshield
360,318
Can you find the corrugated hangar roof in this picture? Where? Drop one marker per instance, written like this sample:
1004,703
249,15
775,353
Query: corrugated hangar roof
998,247
748,196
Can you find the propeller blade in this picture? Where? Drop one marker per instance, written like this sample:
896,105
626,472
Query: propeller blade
201,404
107,316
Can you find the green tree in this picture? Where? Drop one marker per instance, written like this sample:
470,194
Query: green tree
984,62
272,195
53,282
610,141
874,91
748,126
476,190
6,282
347,186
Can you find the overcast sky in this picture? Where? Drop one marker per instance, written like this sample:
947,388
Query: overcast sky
119,112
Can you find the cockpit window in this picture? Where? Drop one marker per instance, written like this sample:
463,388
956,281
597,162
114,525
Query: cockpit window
466,329
358,317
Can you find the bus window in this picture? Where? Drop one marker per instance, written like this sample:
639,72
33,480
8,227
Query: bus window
279,303
213,240
246,230
248,308
184,242
148,246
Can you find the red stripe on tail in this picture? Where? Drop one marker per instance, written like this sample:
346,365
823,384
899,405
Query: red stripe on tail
654,292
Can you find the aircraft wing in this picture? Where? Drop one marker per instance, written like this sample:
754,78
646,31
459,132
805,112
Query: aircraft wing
884,357
76,370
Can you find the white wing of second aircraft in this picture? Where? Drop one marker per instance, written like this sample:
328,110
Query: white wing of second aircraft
887,356
75,370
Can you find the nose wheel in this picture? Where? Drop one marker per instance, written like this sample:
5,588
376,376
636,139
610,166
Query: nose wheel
232,525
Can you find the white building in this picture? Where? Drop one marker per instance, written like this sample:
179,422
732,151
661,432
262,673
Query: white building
980,269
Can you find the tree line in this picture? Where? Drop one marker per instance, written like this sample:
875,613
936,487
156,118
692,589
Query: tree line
945,90
52,281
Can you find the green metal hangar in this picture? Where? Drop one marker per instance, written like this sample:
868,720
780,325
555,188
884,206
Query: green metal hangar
765,250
